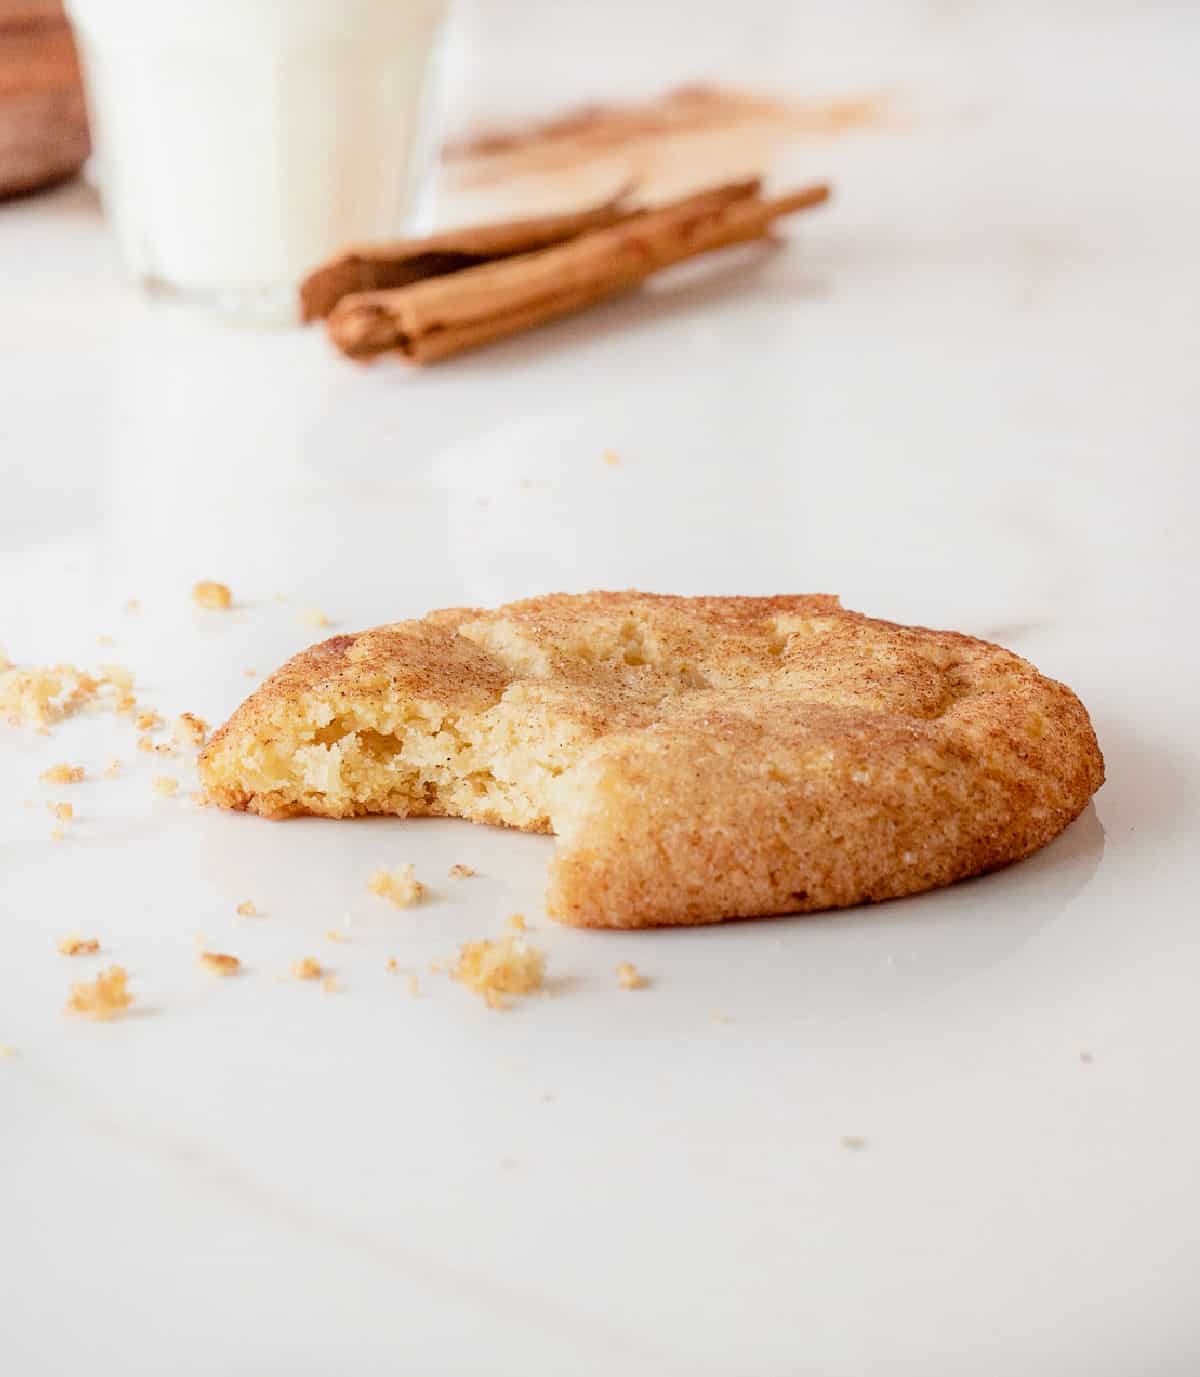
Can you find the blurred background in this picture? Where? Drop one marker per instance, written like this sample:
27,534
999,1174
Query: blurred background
1004,243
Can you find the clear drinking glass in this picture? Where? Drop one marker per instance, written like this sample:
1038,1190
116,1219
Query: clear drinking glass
239,142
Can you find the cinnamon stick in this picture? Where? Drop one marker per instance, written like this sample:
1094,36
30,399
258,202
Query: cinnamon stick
376,267
432,320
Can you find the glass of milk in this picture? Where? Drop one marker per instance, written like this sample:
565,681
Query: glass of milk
239,142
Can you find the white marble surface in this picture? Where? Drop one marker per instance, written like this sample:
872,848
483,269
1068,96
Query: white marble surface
966,395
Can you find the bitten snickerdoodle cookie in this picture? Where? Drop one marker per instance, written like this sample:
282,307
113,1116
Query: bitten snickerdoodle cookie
697,758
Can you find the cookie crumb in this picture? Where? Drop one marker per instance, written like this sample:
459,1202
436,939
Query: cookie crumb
113,769
145,744
125,705
132,605
190,729
330,985
400,885
116,677
333,935
105,640
58,834
165,785
629,977
414,986
63,774
496,969
247,909
611,458
853,1143
313,616
516,923
74,945
105,997
62,811
41,697
461,872
148,721
391,965
250,673
307,968
215,596
220,963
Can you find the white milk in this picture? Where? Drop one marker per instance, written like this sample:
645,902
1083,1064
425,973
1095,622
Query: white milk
241,141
